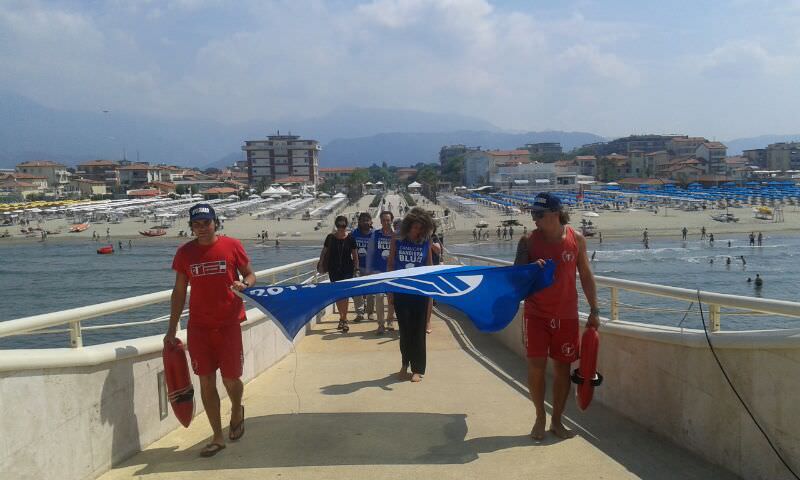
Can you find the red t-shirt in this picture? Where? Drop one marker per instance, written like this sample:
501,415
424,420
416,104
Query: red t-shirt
559,300
211,270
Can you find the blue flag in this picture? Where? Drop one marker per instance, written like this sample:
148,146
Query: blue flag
489,296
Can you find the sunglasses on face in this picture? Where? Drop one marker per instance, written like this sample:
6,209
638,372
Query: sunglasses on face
538,215
341,225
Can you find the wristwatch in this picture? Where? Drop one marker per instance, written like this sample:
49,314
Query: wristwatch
594,311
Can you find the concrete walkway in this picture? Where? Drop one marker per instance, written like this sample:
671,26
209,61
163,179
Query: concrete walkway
334,410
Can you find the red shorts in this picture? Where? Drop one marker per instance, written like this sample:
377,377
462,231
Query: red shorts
553,337
213,348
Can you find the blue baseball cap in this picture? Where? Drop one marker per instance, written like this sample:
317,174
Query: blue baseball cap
202,211
546,202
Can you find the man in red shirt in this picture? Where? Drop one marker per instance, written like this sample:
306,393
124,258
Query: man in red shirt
551,314
211,264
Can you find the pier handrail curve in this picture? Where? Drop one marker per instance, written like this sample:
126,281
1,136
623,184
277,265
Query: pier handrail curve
44,320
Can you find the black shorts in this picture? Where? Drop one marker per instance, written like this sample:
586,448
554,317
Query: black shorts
336,276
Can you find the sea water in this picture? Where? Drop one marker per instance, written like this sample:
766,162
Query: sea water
45,277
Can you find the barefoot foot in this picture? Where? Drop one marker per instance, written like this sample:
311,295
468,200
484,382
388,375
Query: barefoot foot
537,432
416,378
561,431
403,374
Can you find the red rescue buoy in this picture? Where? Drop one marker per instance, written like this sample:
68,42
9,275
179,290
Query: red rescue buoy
179,385
105,250
586,375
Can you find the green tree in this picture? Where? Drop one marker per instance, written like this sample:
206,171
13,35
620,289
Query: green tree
359,177
453,170
428,176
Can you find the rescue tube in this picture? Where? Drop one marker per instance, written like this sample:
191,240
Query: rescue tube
586,375
179,385
105,250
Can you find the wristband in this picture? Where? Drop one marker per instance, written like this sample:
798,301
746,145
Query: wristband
594,311
247,285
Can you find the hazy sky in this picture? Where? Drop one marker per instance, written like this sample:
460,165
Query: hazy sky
721,69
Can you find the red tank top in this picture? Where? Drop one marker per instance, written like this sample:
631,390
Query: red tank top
559,300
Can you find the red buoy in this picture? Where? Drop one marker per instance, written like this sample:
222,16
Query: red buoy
179,385
586,375
105,250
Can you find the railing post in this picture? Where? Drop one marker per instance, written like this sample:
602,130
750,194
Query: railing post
714,317
614,304
75,336
273,277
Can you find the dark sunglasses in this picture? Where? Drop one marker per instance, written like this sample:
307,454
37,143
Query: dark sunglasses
341,225
538,215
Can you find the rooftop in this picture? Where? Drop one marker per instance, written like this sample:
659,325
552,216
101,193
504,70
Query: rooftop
41,163
140,166
98,163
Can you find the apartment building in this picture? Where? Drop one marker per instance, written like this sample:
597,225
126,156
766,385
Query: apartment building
683,146
714,154
783,156
281,156
56,173
544,148
448,152
138,174
587,165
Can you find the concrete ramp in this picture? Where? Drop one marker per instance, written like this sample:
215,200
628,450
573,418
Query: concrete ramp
334,409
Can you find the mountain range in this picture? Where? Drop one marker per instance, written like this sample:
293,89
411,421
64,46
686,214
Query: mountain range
350,136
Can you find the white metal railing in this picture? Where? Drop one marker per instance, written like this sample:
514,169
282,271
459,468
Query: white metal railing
714,301
74,316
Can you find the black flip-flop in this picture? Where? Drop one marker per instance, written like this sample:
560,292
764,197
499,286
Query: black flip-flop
211,449
236,432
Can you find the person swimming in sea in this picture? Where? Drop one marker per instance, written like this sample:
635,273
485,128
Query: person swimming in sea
759,281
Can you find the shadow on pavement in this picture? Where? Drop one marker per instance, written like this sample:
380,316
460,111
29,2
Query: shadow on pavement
330,439
348,388
642,452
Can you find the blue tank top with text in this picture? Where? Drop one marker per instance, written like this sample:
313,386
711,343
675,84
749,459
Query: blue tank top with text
410,254
379,250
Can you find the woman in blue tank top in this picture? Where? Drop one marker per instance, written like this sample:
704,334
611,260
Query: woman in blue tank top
412,249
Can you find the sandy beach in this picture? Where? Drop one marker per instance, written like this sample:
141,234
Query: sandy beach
623,224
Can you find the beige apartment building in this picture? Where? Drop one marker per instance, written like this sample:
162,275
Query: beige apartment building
683,146
714,154
281,156
138,174
56,173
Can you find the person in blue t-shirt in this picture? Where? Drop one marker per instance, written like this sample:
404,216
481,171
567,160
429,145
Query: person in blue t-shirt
412,248
362,236
378,253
